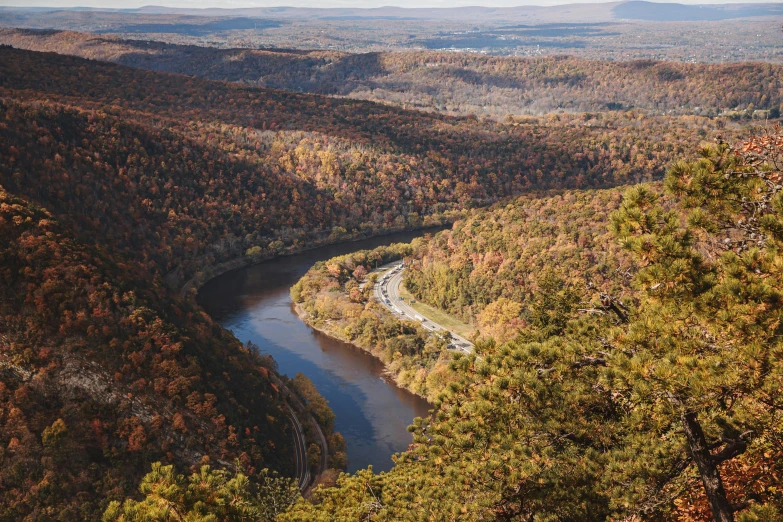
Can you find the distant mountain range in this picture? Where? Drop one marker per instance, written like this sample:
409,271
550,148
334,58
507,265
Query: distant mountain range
633,10
651,11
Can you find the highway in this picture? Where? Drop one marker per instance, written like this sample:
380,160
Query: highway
387,292
300,451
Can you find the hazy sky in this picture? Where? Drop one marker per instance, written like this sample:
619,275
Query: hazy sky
314,3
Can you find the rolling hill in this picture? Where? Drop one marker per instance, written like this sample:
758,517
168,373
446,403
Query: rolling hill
449,83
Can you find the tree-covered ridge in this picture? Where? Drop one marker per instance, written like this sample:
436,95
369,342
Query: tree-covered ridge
503,268
453,83
660,406
104,372
336,297
182,173
151,194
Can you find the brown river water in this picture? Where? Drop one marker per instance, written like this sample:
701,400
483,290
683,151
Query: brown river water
372,412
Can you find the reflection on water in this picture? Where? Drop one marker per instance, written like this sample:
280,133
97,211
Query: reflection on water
372,413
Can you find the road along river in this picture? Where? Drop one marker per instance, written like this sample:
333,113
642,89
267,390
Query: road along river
372,412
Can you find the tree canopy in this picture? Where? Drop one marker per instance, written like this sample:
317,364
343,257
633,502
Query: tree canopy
661,404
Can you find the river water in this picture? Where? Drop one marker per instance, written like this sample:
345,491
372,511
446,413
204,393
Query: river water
372,412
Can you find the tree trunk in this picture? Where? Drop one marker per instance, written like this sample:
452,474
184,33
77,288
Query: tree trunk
710,476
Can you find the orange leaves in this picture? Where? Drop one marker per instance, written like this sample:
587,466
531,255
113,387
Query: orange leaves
132,430
754,476
764,148
178,386
178,423
202,405
137,439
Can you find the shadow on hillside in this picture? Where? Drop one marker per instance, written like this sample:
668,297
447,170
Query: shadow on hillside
196,28
291,70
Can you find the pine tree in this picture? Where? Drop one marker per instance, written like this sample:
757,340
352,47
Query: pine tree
206,496
698,363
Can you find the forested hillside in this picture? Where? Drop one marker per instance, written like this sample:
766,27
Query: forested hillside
492,266
104,371
452,83
182,173
660,404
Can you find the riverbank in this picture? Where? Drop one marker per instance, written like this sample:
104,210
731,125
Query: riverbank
389,372
372,413
301,412
335,298
212,271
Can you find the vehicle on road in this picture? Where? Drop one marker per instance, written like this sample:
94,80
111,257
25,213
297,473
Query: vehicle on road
385,291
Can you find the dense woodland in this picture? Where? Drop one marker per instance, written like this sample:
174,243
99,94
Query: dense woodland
104,372
182,173
451,83
491,266
120,184
660,404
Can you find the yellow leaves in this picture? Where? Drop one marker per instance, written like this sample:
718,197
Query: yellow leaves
334,269
500,319
53,435
287,162
329,166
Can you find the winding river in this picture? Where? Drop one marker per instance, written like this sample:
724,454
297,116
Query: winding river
372,412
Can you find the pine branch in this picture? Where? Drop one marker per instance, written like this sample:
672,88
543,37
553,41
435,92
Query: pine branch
733,448
615,306
589,361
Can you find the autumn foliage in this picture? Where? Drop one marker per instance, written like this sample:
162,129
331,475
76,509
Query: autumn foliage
120,184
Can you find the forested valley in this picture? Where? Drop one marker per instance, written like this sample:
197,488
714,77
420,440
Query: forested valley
451,83
619,264
361,167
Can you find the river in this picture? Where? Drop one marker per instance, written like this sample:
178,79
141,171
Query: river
372,412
